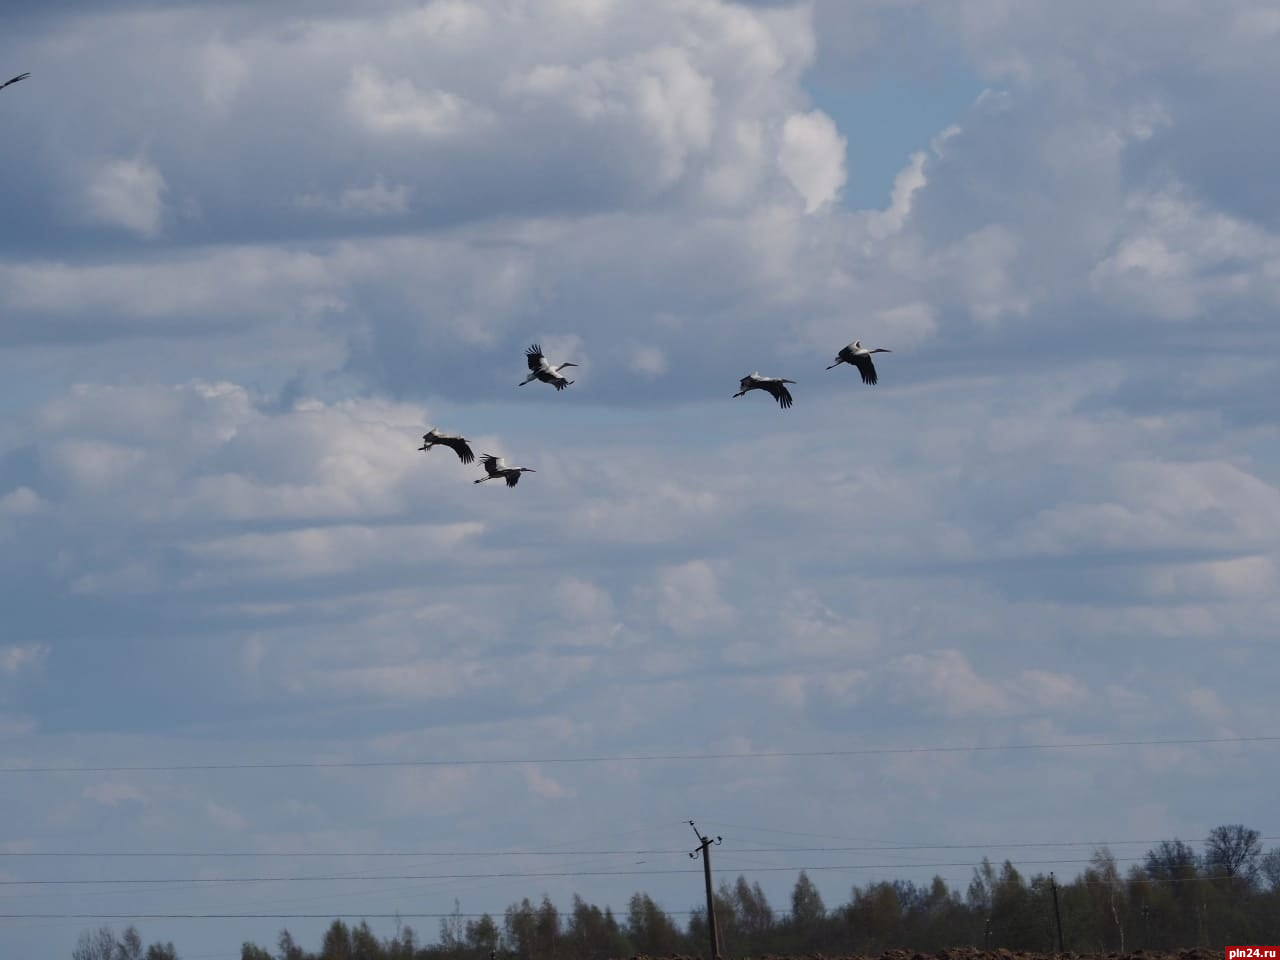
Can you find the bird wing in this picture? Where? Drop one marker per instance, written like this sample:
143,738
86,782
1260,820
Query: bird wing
780,393
21,76
513,477
461,448
492,465
747,382
536,360
866,368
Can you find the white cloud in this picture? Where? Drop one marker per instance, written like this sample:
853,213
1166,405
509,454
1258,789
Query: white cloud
905,185
224,71
128,194
21,502
947,682
113,793
1206,704
398,106
812,158
688,601
1009,527
582,600
541,785
647,361
375,200
23,658
225,817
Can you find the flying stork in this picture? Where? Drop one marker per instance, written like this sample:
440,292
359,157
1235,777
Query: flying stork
21,76
496,467
859,356
434,437
776,386
541,369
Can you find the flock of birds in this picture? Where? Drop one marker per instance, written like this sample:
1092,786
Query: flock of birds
540,368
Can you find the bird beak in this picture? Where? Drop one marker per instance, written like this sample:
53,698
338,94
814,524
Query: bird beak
530,470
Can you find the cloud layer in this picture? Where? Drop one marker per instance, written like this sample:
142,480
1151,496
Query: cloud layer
250,254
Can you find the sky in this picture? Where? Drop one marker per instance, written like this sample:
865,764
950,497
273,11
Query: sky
250,252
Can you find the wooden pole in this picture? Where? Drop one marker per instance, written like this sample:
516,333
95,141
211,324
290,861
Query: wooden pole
1057,915
704,848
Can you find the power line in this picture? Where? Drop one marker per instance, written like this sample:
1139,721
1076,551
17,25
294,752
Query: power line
402,915
882,848
513,875
627,758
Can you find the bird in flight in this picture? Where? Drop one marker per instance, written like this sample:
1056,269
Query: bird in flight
434,437
541,369
859,356
21,76
496,467
776,387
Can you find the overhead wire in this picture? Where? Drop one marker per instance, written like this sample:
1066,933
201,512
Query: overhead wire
516,875
622,758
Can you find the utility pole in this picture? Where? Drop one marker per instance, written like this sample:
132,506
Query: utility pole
704,848
1057,916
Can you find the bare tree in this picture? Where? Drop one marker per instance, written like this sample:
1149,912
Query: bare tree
1233,851
130,945
1269,867
1172,860
99,944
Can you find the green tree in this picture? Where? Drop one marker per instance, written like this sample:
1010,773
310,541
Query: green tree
482,935
755,916
594,933
288,949
161,951
364,945
806,902
337,942
649,929
251,951
520,923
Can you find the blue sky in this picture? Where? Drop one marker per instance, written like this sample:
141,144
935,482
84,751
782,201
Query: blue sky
249,253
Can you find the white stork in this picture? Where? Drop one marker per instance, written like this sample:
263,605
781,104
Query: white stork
541,369
496,467
434,437
859,356
21,76
776,386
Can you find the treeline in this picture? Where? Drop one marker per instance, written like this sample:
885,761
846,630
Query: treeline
1176,898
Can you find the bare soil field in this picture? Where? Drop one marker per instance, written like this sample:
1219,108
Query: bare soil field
977,953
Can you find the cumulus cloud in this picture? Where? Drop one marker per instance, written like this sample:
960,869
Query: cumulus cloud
812,157
688,599
398,106
128,194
